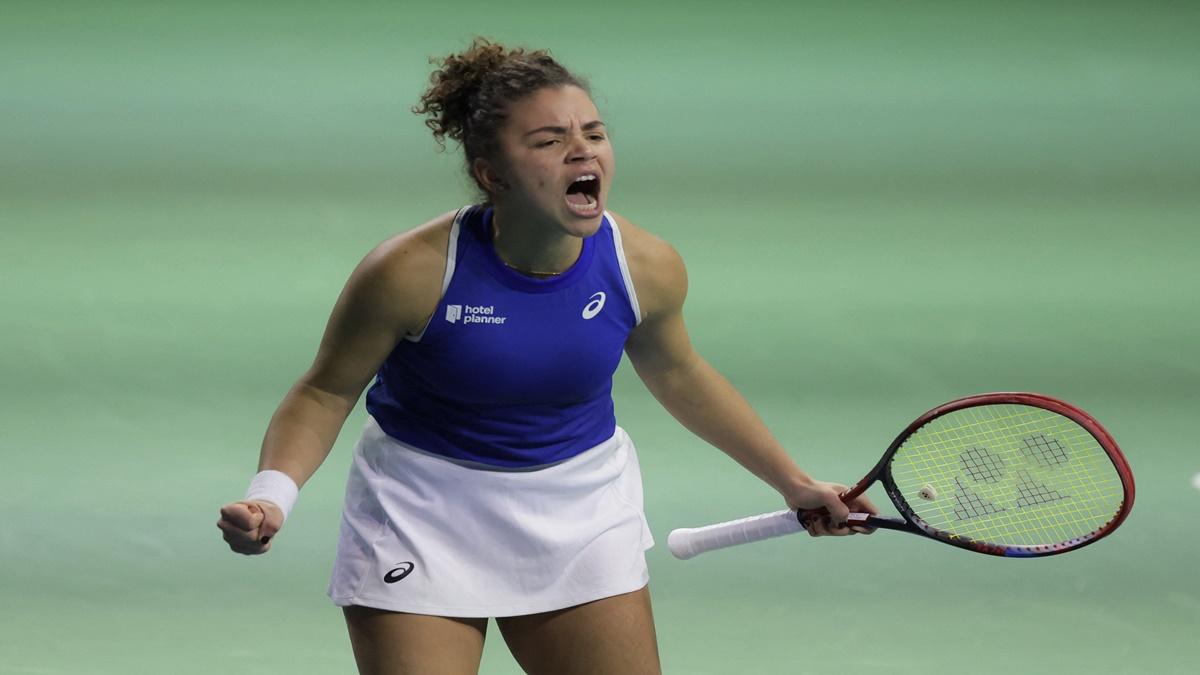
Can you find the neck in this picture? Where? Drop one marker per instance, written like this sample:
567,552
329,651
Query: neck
530,247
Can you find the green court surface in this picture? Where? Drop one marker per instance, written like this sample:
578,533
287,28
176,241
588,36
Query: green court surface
882,206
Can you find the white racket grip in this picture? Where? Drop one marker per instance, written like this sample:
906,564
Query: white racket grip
689,542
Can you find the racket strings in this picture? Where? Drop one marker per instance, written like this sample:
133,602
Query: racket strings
1025,483
969,505
1005,528
1045,451
982,465
1008,474
1034,493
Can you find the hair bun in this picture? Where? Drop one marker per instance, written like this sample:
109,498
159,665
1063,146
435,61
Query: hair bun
447,103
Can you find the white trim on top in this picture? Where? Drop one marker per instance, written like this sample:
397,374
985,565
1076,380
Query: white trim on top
633,300
451,254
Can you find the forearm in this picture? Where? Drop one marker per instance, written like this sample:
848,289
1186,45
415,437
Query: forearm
710,407
302,431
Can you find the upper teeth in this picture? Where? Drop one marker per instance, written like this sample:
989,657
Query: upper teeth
587,177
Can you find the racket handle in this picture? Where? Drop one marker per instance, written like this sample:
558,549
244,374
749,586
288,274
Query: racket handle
689,542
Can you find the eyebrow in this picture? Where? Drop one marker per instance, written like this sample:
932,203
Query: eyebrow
594,124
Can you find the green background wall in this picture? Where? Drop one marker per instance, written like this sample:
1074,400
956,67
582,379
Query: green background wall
882,206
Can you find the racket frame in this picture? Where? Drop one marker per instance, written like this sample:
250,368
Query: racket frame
910,522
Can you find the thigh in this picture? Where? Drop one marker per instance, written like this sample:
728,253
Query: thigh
396,643
609,636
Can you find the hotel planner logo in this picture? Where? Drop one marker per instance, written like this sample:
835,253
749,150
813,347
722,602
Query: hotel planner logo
473,314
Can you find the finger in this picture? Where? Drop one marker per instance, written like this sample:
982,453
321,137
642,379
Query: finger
819,525
235,534
838,511
271,522
246,515
250,549
246,546
236,514
824,526
241,545
840,530
809,520
230,529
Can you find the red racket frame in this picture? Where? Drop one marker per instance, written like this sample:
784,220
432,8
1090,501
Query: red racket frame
912,523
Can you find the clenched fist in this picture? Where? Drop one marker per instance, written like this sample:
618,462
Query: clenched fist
249,526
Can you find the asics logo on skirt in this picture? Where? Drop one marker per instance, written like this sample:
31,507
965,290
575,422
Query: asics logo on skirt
593,308
401,571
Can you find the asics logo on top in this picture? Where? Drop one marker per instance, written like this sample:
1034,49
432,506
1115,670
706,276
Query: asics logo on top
593,308
453,313
401,571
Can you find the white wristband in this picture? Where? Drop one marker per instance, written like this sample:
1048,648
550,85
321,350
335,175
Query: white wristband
276,487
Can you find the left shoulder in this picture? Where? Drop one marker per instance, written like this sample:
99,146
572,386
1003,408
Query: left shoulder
658,272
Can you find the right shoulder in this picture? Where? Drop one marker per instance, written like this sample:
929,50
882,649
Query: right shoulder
411,255
404,273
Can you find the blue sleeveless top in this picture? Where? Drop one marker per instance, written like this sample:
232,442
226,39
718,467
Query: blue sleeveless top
511,371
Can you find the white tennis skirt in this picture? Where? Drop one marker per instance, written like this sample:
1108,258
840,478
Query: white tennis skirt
428,535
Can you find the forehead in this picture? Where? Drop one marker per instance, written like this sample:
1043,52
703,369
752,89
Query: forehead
558,107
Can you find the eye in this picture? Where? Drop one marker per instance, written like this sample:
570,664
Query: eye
546,143
597,137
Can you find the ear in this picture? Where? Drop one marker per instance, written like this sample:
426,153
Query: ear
487,175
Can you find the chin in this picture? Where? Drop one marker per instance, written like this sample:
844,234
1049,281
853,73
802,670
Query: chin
583,226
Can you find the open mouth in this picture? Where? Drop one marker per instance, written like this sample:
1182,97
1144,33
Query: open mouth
583,195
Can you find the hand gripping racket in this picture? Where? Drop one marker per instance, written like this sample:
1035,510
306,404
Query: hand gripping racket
1008,474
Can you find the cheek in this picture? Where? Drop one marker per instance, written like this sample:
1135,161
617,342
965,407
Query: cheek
528,173
539,178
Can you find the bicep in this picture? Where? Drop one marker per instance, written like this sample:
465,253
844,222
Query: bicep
371,316
660,345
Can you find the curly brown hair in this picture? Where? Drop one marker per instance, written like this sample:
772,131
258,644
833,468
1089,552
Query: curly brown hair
470,93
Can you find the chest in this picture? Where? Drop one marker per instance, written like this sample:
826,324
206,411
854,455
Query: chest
502,347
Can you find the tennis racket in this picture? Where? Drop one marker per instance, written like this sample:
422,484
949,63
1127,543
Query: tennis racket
1009,474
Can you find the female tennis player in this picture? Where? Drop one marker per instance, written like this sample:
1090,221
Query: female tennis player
491,479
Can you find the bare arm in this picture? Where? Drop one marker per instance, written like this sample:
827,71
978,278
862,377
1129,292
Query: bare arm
393,291
699,396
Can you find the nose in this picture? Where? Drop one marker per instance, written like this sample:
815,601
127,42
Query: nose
579,149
